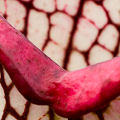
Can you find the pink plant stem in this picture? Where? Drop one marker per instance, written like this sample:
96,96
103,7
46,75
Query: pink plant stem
31,71
42,81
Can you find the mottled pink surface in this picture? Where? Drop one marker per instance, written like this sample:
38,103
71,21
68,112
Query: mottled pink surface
74,33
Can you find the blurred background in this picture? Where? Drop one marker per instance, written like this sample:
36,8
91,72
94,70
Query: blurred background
74,34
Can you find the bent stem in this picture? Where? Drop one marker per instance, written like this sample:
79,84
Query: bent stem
42,81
